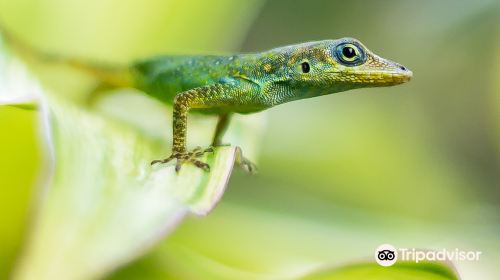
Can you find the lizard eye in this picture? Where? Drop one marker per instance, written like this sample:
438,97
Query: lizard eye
349,54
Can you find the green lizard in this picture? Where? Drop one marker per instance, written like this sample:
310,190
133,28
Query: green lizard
242,83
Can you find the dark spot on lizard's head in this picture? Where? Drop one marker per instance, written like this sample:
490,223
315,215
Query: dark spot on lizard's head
305,67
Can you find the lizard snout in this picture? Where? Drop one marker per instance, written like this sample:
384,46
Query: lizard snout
401,73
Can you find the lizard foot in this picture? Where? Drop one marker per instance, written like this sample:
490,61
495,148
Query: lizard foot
184,157
245,163
242,161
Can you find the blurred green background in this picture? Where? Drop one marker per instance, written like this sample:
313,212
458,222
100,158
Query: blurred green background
416,165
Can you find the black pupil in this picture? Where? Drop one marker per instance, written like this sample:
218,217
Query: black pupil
348,52
305,67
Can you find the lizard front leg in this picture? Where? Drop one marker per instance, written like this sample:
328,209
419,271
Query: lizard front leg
183,102
211,96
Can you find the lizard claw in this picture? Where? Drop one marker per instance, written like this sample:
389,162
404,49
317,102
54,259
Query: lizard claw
245,163
248,166
191,157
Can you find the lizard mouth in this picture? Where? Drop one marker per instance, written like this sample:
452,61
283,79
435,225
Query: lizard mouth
384,73
374,78
384,78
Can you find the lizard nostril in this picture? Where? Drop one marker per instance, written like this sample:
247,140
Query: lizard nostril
402,68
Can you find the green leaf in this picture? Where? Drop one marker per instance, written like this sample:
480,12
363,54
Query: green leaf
19,161
399,271
105,204
19,165
102,203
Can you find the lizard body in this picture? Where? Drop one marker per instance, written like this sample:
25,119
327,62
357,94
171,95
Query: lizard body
248,83
243,83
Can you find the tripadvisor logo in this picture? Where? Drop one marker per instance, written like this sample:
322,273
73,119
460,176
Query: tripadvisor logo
387,255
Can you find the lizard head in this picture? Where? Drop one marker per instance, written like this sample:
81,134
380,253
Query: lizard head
337,65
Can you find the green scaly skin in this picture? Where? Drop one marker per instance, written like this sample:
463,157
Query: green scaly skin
249,83
244,83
